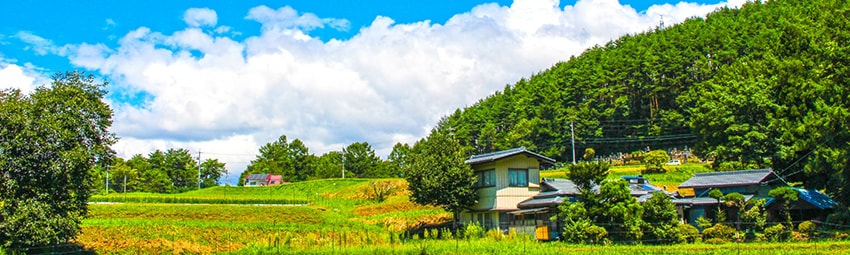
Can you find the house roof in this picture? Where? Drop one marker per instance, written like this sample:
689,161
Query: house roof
257,177
816,198
493,156
730,178
708,200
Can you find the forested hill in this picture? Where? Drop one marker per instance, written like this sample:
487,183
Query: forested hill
760,86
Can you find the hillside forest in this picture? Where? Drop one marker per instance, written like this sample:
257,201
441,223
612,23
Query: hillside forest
763,86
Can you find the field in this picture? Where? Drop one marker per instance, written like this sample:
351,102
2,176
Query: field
334,209
334,216
670,180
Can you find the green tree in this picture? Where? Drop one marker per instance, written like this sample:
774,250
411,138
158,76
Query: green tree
398,158
720,216
736,200
361,162
661,218
622,215
654,161
329,165
437,175
290,160
211,172
587,174
49,142
787,196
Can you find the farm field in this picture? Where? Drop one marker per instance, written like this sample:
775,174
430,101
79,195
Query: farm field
335,208
337,218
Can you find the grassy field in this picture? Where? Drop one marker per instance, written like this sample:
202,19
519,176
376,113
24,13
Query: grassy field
334,208
675,174
337,218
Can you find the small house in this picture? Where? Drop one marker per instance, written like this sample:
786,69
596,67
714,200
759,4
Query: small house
694,202
255,180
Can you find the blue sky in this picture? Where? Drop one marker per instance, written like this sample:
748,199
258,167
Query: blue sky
226,77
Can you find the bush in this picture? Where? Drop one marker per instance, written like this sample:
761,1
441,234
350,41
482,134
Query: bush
716,241
473,231
719,231
839,218
495,234
687,233
704,223
596,234
807,228
777,233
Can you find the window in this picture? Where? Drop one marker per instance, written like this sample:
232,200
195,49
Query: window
518,177
486,178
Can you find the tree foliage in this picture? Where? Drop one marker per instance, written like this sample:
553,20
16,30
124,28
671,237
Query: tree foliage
437,175
654,161
50,141
587,174
743,87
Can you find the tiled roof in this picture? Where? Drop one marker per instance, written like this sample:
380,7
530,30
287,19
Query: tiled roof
816,198
703,200
730,178
493,156
257,176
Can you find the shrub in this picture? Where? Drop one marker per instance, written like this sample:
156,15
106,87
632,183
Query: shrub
687,233
704,223
719,231
473,231
777,233
716,241
839,218
596,234
495,234
808,228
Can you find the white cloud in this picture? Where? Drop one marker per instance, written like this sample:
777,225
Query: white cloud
24,78
288,18
197,17
389,83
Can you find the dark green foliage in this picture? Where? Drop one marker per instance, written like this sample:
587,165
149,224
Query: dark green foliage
290,160
437,175
50,142
777,233
808,228
687,233
361,162
587,174
660,216
654,161
720,232
755,218
735,200
398,158
786,196
211,171
760,86
578,227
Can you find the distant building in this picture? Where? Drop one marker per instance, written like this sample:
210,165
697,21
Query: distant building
254,180
694,202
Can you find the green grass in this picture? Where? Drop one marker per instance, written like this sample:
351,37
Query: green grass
675,174
527,246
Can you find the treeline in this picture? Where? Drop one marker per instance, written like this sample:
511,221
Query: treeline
171,171
765,85
293,161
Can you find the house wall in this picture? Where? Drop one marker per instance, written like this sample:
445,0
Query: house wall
501,196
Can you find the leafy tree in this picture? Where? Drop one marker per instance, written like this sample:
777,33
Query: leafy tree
654,161
755,218
578,227
622,215
720,216
361,162
661,218
437,175
290,160
329,165
587,174
398,159
787,196
49,142
211,171
736,200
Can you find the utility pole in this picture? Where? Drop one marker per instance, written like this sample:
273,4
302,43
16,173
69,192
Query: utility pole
125,183
573,141
107,180
343,162
199,169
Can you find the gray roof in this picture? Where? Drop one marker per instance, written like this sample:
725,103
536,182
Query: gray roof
730,178
257,177
493,156
703,200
